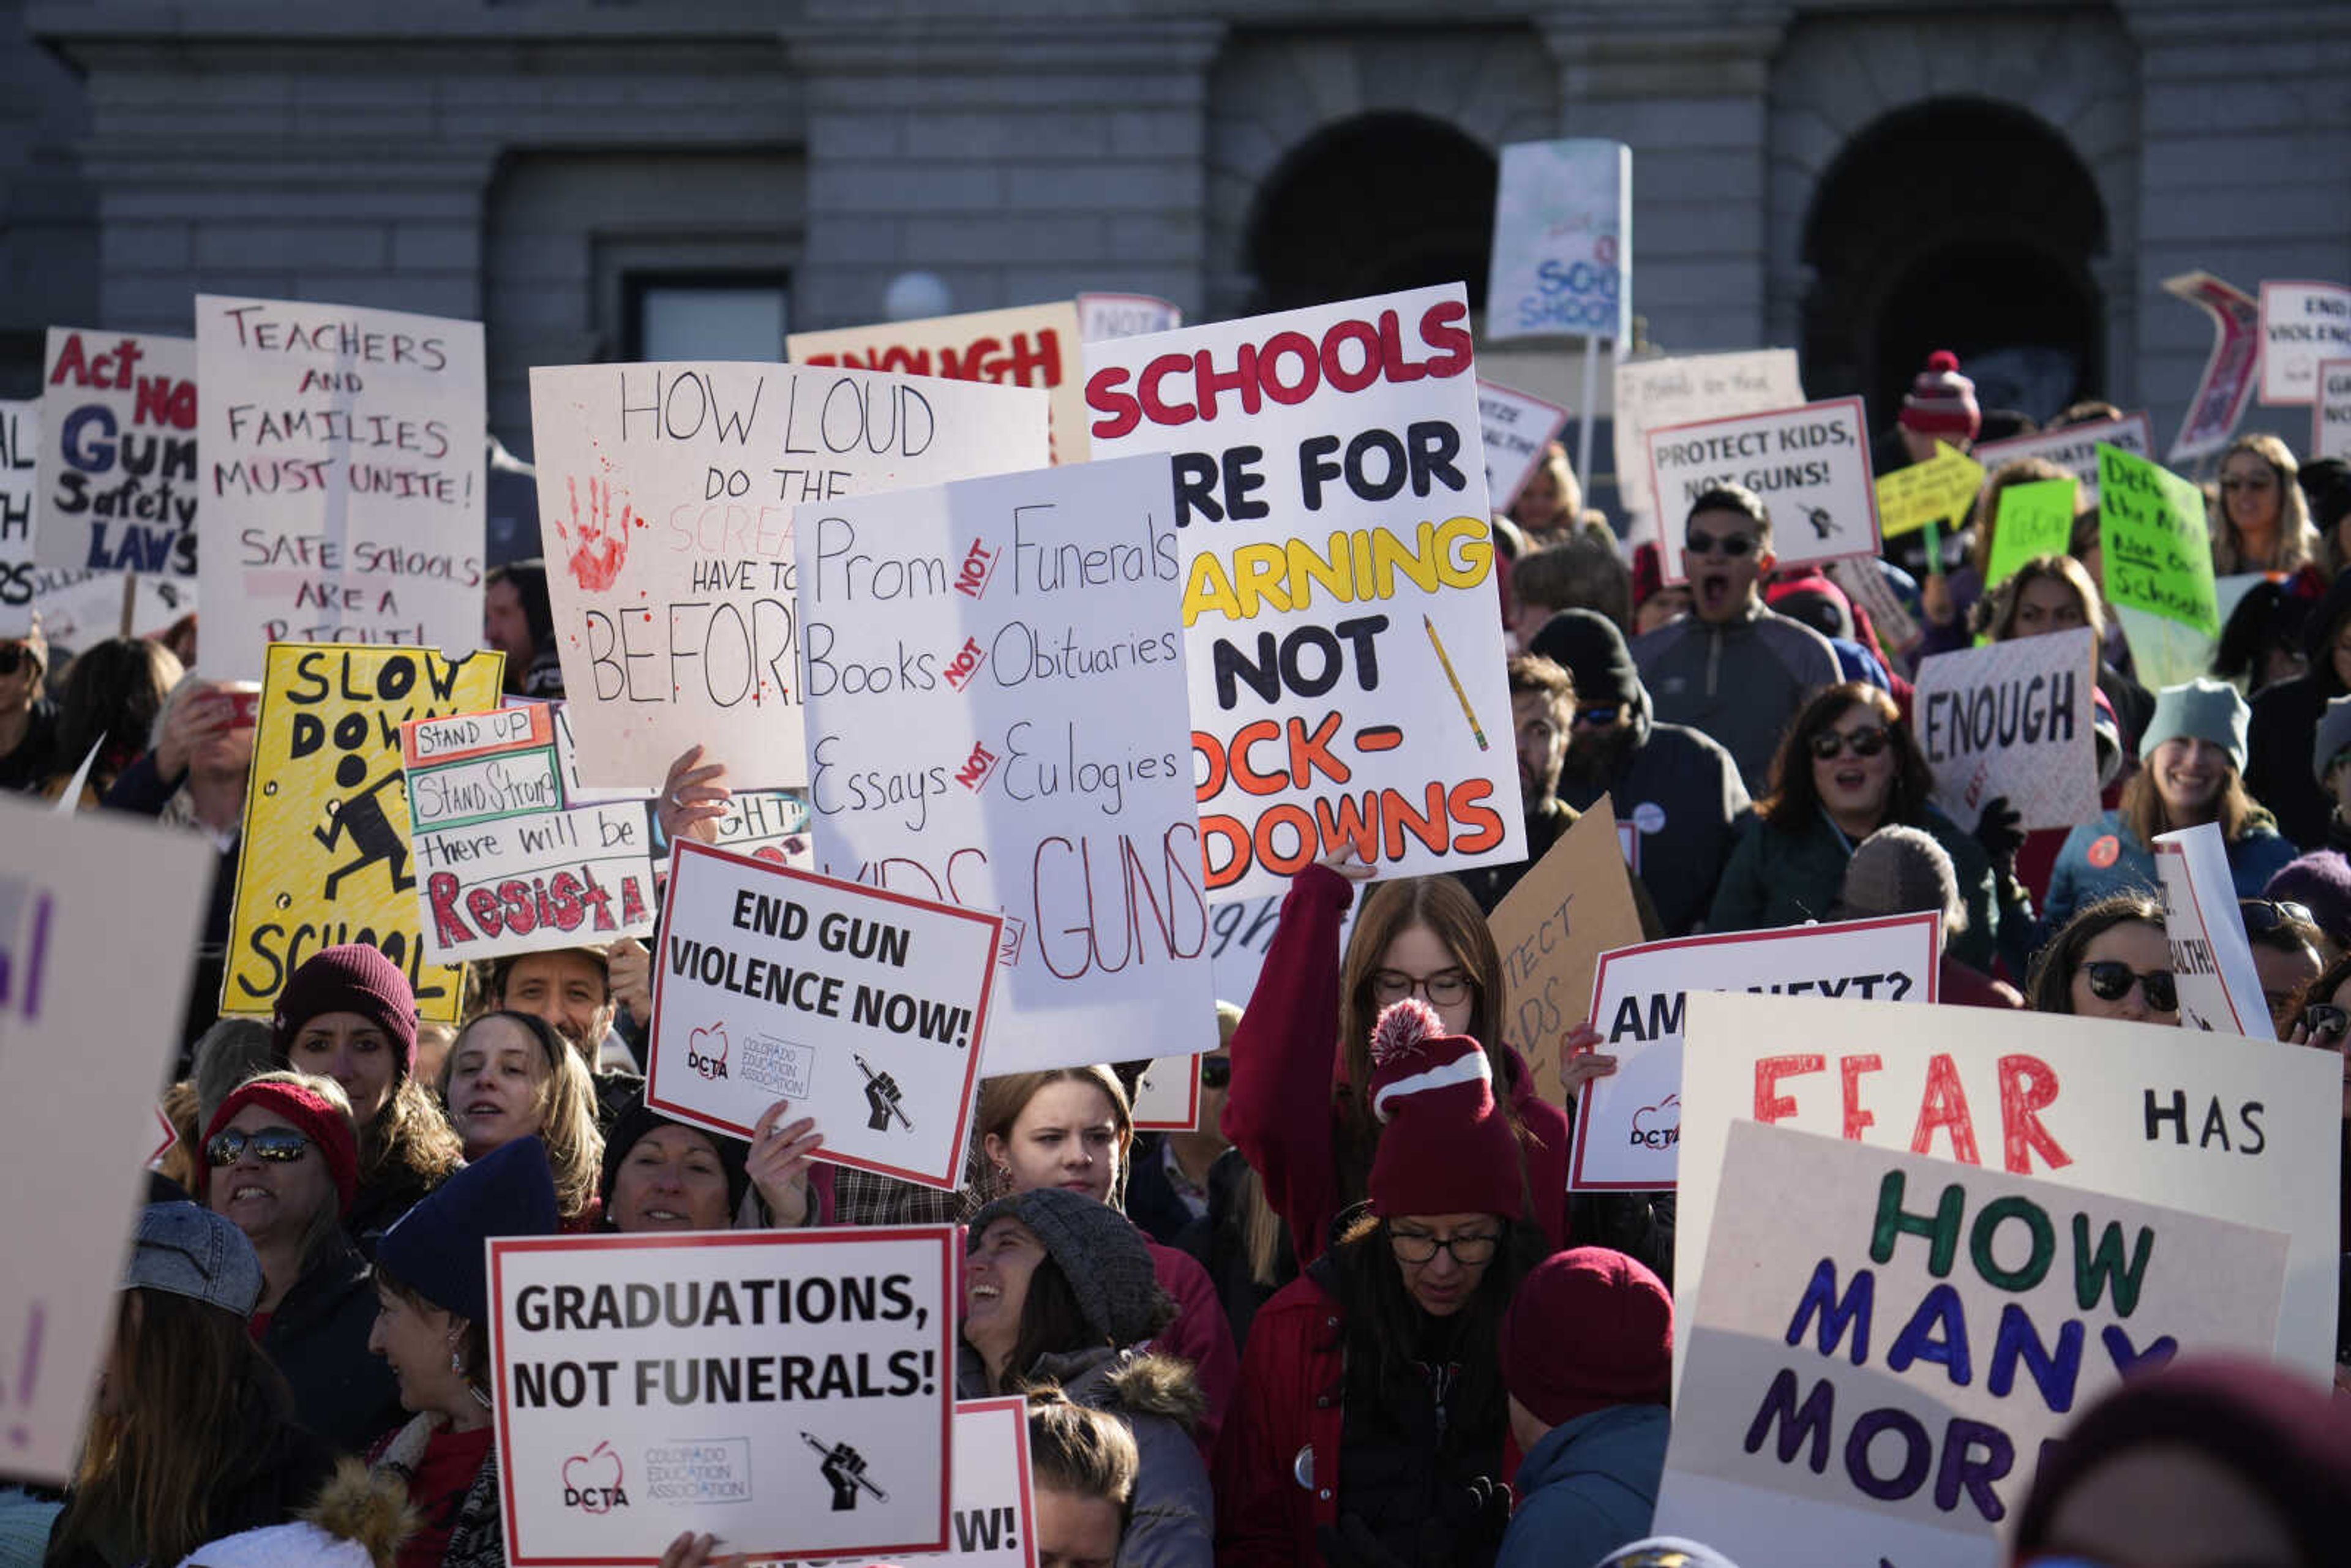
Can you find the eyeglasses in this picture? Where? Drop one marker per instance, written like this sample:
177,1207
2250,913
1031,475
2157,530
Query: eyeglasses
2263,916
1215,1071
1444,988
2325,1021
1419,1247
2111,979
278,1145
1732,545
1830,743
15,656
1597,716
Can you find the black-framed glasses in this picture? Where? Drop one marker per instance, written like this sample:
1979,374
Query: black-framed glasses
278,1145
1830,744
1215,1071
1597,716
1732,545
2263,916
1419,1247
2326,1022
2111,980
1444,988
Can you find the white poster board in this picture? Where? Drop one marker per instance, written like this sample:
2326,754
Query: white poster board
118,481
2301,324
1167,1096
2242,1130
792,1391
766,824
667,492
1333,539
1628,1124
1516,426
2330,413
100,917
864,1008
2013,719
1653,394
1025,346
1015,742
2074,448
2211,961
20,438
345,448
1240,933
1563,255
1101,317
1810,465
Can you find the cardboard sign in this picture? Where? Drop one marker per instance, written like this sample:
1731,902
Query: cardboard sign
20,438
100,917
1571,906
119,482
1563,255
2211,961
2242,1130
1015,742
2013,719
792,1390
1167,1099
1628,1124
347,447
2330,414
864,1008
1516,427
1809,465
1101,317
668,492
1029,346
2154,541
2035,518
326,854
2301,324
1655,394
503,864
1939,490
1346,663
1886,1341
2228,379
2075,448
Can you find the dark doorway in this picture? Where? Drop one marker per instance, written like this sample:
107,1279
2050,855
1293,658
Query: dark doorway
1374,204
1962,224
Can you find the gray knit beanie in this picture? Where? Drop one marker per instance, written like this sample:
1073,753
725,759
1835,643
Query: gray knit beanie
2203,709
2333,740
1902,871
1098,1251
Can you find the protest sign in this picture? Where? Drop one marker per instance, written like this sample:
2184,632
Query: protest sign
1653,394
2012,720
2075,448
2166,653
1167,1096
669,489
865,1009
2227,380
1809,465
1015,742
1240,933
1516,427
1571,906
2154,543
567,754
2211,961
766,824
2330,414
994,1504
1898,631
325,854
503,863
1562,254
790,1390
1332,519
2035,518
346,446
2242,1130
77,607
20,437
1028,346
99,916
119,483
1628,1124
1939,490
1101,317
1886,1341
2301,324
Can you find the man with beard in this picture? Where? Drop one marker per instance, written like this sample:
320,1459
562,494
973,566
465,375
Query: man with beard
1680,788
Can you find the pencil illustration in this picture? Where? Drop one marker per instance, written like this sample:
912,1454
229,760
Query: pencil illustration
1466,711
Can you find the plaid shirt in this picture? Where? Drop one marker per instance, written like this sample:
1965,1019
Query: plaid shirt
863,1197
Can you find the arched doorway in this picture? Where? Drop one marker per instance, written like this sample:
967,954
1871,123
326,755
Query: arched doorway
1956,223
1381,202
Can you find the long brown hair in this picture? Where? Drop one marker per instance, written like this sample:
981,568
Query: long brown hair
1002,1099
1795,798
2049,986
2143,812
567,1111
2001,606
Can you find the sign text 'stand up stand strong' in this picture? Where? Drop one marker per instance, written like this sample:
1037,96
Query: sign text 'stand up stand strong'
1346,663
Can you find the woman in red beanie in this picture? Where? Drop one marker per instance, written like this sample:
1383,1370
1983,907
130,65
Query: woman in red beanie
1370,1419
280,1163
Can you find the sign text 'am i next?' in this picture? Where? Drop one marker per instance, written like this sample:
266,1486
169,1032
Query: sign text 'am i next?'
119,485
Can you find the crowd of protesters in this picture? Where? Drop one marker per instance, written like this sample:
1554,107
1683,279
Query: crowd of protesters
1352,1316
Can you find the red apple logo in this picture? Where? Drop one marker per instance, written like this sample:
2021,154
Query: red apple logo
706,1051
591,1481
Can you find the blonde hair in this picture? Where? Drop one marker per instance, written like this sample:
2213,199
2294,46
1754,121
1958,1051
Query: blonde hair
564,1100
2297,540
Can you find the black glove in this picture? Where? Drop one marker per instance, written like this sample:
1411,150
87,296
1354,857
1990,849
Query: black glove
1476,1513
2001,831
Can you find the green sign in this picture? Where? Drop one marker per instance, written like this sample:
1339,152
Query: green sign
2157,553
2034,519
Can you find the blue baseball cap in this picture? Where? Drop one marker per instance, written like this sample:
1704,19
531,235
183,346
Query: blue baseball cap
195,1253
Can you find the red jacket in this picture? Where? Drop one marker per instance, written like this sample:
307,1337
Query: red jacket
1285,1063
1200,1336
1288,1402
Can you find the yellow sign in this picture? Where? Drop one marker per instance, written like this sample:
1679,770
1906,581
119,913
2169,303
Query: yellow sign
1027,346
325,853
1938,490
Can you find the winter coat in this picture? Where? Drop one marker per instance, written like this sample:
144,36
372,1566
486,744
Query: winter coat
1739,682
2102,857
1587,1488
1684,793
318,1338
1199,1337
2286,718
1284,1067
478,1540
1219,1240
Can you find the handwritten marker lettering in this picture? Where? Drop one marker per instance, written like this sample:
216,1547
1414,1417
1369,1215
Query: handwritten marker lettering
979,566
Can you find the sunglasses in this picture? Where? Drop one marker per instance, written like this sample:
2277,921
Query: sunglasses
2326,1022
2111,980
1215,1071
2263,916
1732,545
1596,715
1830,743
15,656
278,1145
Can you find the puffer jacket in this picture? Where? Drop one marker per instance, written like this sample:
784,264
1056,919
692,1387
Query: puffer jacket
1588,1486
1739,681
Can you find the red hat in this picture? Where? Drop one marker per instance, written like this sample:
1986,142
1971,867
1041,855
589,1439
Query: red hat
1446,1148
1587,1328
324,1123
1648,575
351,978
1941,401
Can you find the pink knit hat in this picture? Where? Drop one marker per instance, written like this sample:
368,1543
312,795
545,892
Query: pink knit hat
1446,1146
1941,401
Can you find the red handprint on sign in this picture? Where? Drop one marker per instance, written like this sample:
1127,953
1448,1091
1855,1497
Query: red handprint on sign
602,546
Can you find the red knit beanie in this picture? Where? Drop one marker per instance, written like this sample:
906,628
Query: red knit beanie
327,1127
1941,401
1588,1328
1446,1148
352,979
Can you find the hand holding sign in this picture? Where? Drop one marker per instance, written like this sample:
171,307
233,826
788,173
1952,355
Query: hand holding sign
779,1164
694,796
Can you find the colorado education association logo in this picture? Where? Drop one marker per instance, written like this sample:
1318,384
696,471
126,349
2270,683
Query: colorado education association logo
591,1481
706,1051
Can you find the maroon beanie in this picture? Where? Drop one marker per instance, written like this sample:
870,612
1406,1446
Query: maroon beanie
326,1125
1941,401
352,979
1446,1148
1588,1328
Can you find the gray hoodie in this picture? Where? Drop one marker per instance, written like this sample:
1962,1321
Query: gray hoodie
1739,682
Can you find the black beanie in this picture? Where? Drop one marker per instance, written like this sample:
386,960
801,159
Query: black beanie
1590,648
638,1119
